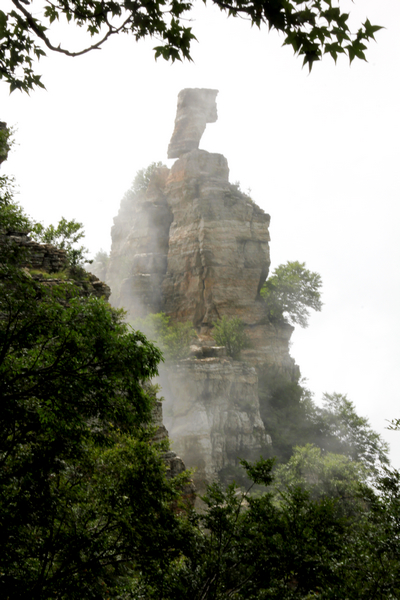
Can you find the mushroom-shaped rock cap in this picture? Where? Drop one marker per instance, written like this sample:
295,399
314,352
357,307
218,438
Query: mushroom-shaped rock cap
196,107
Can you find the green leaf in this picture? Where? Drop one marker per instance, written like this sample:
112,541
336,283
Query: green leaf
371,29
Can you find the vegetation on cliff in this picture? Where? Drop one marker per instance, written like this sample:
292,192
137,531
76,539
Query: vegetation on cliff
231,334
293,419
65,236
290,292
172,338
313,536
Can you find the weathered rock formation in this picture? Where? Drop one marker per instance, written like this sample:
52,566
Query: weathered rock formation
193,246
195,109
175,465
40,261
212,413
138,261
218,255
196,248
35,255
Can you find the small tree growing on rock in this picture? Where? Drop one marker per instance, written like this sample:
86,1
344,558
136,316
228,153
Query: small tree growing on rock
173,338
290,292
231,334
66,236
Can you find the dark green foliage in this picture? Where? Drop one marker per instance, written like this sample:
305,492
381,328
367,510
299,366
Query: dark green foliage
372,558
286,409
12,217
394,425
83,491
12,220
295,544
172,338
231,334
82,488
23,33
312,28
290,292
292,419
299,543
343,431
6,192
5,141
322,474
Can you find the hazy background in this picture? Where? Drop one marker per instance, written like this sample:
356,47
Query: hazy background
319,152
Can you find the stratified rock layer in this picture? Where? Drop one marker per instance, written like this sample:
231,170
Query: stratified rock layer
218,255
35,255
196,107
192,246
140,240
212,414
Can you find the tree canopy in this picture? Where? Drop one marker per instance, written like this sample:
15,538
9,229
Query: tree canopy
83,489
292,418
231,334
65,236
338,539
291,291
312,28
345,432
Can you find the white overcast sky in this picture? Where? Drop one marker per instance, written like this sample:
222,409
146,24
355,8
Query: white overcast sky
320,153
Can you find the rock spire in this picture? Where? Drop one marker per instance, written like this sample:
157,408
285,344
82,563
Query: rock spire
193,246
196,107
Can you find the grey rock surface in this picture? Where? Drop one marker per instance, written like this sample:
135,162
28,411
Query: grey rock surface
212,414
196,107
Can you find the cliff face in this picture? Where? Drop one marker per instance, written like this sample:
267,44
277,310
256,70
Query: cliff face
212,414
218,255
196,248
140,239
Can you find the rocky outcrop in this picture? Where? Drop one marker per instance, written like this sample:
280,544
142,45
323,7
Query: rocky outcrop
43,263
86,284
33,254
192,246
218,255
138,261
196,108
197,248
212,414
